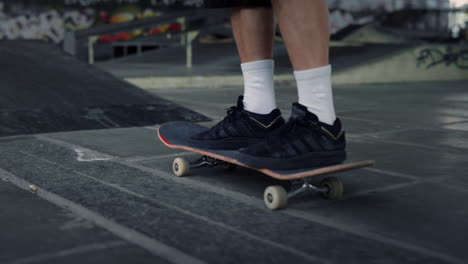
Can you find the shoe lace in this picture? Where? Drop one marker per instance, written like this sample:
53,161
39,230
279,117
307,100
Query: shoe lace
234,113
291,130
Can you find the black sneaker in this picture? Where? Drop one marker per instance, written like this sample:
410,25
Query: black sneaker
239,129
303,142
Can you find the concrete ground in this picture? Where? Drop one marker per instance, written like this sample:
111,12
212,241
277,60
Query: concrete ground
56,92
109,195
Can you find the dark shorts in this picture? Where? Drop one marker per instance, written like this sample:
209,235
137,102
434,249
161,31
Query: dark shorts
235,3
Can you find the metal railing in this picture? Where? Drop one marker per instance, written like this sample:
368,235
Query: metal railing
188,19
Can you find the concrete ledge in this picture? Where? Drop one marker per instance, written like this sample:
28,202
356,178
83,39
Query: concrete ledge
197,81
403,66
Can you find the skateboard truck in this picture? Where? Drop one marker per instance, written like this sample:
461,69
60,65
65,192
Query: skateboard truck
307,186
275,196
206,161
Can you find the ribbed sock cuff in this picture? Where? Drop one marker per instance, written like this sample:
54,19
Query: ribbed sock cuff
313,73
257,65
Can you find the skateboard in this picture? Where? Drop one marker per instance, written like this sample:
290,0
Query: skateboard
177,135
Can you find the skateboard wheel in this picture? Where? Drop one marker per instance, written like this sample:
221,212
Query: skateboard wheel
275,197
180,167
334,186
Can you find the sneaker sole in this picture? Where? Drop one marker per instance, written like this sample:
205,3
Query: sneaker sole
309,160
233,143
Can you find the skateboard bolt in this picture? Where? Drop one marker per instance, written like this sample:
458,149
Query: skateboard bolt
176,167
270,198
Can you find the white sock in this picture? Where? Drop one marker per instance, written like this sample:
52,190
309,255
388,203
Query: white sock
315,92
259,92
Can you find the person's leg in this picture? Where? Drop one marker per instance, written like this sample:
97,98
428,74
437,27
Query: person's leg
253,30
313,136
255,115
305,29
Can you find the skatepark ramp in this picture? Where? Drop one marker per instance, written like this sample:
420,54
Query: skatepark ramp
44,90
166,69
413,63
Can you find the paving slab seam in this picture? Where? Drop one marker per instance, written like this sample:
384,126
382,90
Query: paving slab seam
291,250
414,180
370,191
455,123
382,189
396,187
383,132
407,144
44,137
355,118
408,176
353,112
432,148
398,130
153,246
407,128
123,161
392,173
382,121
15,138
252,201
68,252
251,236
380,238
153,157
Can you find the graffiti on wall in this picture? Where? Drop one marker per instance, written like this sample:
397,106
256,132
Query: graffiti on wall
355,12
26,20
432,57
50,24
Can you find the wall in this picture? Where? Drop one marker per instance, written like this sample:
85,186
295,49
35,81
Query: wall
48,19
432,62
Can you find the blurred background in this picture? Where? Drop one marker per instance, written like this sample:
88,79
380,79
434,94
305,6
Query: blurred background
67,23
84,85
171,44
50,20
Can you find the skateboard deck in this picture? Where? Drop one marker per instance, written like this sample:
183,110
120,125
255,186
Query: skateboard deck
177,135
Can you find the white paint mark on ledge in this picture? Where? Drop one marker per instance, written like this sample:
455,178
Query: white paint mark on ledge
86,155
